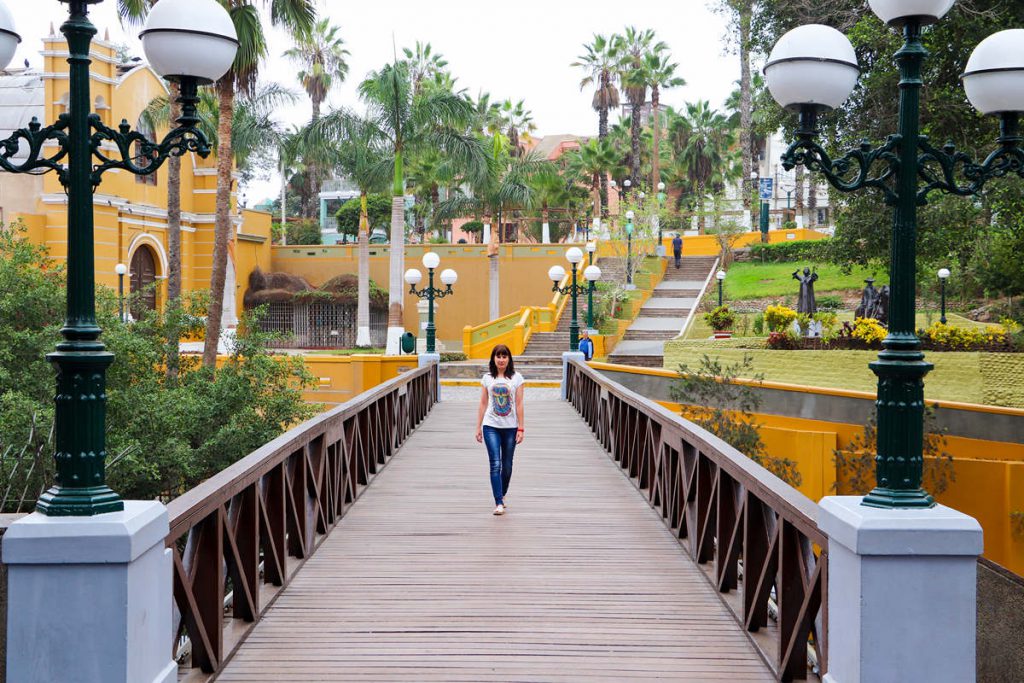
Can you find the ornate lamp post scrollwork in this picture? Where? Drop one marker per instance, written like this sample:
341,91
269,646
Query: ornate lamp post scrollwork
556,274
85,149
448,277
813,69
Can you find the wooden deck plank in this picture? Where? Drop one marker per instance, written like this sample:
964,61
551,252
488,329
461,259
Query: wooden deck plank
419,582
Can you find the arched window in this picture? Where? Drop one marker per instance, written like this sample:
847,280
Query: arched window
143,127
143,281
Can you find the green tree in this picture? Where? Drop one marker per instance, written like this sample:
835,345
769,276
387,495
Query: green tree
599,61
407,121
702,140
635,46
661,73
350,215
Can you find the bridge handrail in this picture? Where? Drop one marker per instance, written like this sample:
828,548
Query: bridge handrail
759,534
279,502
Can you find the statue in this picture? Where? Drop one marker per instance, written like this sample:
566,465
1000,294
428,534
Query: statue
867,300
880,311
806,303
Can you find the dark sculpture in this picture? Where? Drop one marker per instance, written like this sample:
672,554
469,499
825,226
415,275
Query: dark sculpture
806,302
874,303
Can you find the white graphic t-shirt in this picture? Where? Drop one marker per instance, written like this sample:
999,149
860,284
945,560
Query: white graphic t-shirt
501,400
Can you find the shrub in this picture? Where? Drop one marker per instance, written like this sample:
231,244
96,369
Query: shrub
453,356
378,212
473,227
726,409
759,324
778,318
783,340
785,252
949,338
721,318
830,302
869,331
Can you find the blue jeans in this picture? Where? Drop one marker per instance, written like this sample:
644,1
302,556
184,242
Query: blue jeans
501,445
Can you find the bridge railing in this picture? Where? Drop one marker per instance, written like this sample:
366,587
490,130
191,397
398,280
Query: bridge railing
239,537
755,537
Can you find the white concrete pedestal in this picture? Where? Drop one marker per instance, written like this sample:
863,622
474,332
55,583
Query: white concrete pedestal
566,357
425,359
89,598
901,593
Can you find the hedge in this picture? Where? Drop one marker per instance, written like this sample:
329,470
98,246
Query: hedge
783,252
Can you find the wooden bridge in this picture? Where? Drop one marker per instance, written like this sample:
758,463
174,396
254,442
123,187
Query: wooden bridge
359,546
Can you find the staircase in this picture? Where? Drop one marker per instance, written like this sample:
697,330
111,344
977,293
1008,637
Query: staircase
538,370
552,345
663,316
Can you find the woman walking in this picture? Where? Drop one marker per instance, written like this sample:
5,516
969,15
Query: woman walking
499,420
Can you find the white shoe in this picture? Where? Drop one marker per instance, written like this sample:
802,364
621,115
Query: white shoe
499,510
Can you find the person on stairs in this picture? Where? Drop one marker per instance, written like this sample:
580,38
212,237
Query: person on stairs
587,345
677,249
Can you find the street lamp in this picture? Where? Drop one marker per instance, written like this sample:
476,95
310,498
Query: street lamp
574,256
120,269
629,249
943,276
90,148
813,69
591,248
657,216
448,278
720,276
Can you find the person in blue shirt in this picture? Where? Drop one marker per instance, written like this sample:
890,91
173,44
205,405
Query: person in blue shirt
587,345
677,249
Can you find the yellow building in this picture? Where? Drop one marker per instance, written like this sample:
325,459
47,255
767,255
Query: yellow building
130,211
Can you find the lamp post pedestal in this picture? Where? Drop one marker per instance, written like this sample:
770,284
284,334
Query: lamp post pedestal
901,592
89,598
426,359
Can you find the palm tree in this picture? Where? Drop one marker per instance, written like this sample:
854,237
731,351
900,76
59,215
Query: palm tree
409,121
362,158
486,115
661,72
599,61
321,56
517,122
297,17
702,139
591,164
634,46
424,64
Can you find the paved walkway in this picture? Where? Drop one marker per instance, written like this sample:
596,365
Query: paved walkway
580,581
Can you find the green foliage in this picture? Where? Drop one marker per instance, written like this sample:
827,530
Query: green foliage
829,302
787,252
165,434
759,324
721,318
304,231
473,227
856,465
378,210
752,280
453,356
952,338
778,318
712,399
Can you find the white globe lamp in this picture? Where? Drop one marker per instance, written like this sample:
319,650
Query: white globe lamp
812,66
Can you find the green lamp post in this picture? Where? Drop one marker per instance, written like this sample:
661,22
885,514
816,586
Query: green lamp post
81,149
121,269
661,196
943,276
813,69
720,276
556,274
629,249
591,248
448,278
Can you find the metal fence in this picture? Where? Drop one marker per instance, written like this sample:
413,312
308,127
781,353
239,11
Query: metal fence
320,325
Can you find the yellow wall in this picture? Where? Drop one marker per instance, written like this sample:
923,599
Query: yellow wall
344,377
523,278
988,475
130,213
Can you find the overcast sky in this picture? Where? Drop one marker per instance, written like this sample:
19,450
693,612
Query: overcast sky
519,50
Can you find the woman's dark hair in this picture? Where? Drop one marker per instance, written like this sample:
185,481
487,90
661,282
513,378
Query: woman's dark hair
502,350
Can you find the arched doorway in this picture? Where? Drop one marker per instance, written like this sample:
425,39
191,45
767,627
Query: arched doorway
143,279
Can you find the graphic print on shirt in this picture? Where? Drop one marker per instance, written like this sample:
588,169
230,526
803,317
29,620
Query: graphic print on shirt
501,400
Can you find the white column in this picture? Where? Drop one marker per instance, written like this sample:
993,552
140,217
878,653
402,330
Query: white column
545,233
901,593
89,598
487,234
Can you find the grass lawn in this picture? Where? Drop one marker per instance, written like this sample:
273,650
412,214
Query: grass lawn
758,281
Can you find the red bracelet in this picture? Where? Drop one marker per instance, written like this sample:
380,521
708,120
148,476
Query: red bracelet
520,430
